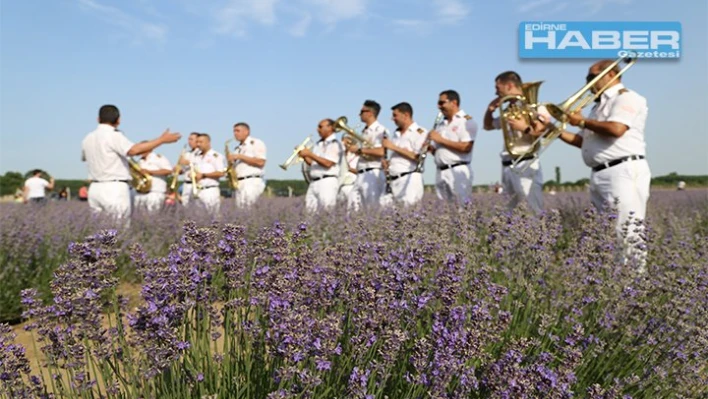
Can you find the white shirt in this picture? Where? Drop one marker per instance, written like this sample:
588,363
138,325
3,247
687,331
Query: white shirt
105,151
36,186
617,104
329,149
350,160
522,140
462,128
210,162
374,133
412,140
155,162
253,148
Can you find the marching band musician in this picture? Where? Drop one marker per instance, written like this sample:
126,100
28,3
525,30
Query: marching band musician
250,159
371,181
158,167
324,161
210,168
403,175
526,185
452,141
612,144
185,160
105,151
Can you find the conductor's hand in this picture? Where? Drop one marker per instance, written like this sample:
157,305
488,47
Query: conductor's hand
169,137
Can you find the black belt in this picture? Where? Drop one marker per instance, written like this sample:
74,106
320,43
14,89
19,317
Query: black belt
509,163
454,165
249,177
320,178
111,181
208,187
392,178
367,170
617,162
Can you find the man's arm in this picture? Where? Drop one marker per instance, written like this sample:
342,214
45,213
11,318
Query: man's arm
410,155
488,123
575,140
458,146
257,162
165,138
50,186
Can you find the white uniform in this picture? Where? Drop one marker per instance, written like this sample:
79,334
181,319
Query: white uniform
453,179
347,178
370,181
250,178
324,182
35,188
155,199
620,170
526,185
187,185
405,181
210,195
105,151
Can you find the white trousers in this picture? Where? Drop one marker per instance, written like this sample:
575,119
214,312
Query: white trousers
248,191
151,201
406,190
344,193
210,198
627,184
186,193
322,194
454,184
524,186
110,198
367,189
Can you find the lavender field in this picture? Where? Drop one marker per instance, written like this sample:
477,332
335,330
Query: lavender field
435,302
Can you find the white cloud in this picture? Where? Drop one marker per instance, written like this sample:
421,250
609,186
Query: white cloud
234,16
450,11
333,11
300,27
549,7
140,30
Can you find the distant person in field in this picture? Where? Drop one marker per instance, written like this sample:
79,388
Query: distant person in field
106,151
35,187
83,193
611,141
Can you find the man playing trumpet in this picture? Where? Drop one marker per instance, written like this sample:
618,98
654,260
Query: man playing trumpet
323,160
406,145
189,158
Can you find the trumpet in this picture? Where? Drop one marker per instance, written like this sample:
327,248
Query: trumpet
295,157
350,135
141,180
420,167
575,103
177,171
196,187
231,168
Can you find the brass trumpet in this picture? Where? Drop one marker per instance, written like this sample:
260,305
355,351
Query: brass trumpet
575,103
350,135
196,187
231,168
177,171
295,157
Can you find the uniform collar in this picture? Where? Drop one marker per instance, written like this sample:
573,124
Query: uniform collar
207,153
373,125
460,114
612,91
107,127
412,128
329,139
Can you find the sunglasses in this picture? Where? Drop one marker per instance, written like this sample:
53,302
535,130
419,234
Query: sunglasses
442,102
590,77
364,111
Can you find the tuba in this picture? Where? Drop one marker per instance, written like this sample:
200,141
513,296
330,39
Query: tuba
231,168
522,106
141,180
575,103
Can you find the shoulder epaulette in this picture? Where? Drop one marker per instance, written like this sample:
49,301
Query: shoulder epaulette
622,91
420,130
468,117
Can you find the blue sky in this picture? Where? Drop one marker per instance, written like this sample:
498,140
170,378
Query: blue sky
282,65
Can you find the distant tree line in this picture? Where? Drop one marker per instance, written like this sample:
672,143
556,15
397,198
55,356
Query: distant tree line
11,181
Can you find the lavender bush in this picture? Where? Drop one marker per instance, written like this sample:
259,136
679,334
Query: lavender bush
431,302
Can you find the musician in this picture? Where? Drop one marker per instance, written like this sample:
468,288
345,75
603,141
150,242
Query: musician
105,151
185,160
371,181
527,185
210,167
159,168
323,161
34,188
611,140
347,176
250,159
405,179
452,141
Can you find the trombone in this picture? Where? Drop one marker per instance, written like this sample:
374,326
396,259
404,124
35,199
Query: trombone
575,103
295,157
